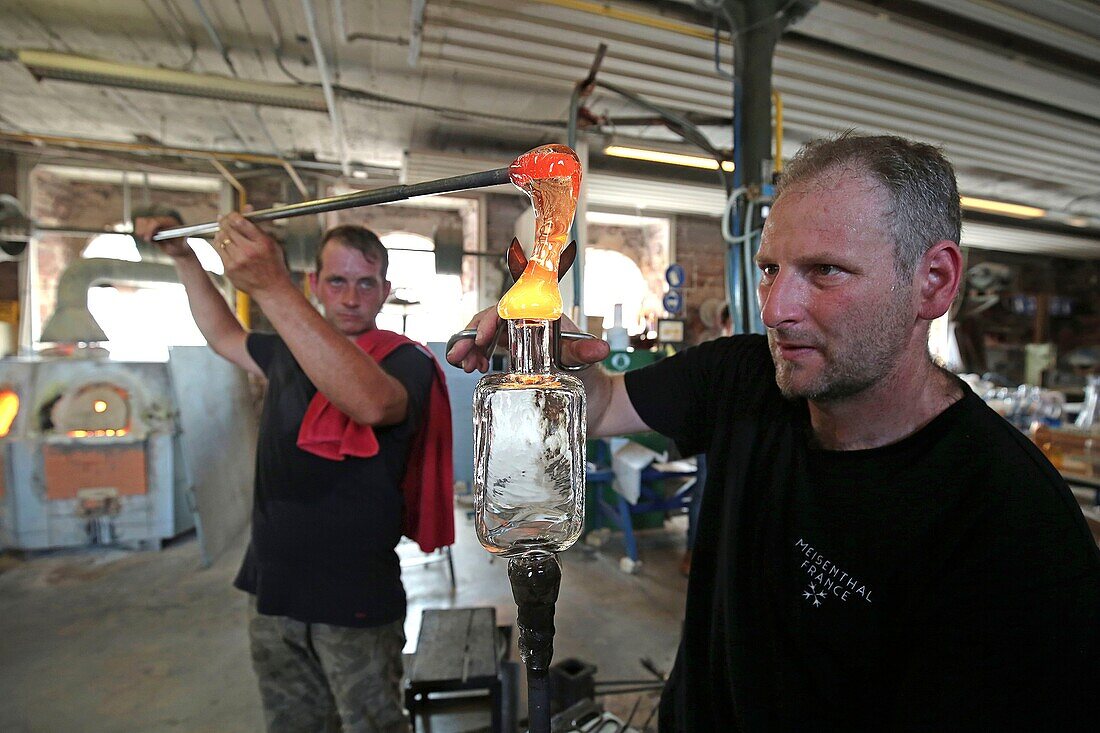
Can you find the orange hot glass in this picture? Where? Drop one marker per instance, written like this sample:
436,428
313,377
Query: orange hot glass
551,176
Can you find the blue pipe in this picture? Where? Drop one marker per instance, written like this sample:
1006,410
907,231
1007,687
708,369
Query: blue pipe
574,231
734,274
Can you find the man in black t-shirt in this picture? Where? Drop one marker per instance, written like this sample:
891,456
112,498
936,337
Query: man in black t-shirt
877,549
327,611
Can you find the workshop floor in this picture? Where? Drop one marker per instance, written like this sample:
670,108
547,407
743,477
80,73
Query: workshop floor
116,641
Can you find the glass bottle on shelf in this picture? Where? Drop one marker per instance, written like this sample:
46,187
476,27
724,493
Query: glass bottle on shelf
529,452
1089,417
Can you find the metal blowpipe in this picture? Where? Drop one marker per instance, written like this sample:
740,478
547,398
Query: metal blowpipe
386,195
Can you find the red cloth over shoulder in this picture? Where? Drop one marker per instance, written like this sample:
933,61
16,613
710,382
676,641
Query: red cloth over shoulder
428,485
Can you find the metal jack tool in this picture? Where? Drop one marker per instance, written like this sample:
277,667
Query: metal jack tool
517,261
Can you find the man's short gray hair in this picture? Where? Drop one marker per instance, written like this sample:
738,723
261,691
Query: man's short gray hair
920,184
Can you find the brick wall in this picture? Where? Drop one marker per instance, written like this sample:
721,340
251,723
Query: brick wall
383,220
9,173
501,214
647,246
57,201
701,251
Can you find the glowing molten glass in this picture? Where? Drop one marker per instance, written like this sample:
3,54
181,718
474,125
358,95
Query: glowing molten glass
9,408
551,176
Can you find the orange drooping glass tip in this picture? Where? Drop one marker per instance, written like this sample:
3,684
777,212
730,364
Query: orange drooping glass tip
551,176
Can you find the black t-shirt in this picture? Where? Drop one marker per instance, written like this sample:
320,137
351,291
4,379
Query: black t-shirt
946,581
323,531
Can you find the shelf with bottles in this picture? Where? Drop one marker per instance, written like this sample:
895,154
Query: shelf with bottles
1072,450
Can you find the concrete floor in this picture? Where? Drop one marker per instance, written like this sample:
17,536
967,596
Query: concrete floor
105,640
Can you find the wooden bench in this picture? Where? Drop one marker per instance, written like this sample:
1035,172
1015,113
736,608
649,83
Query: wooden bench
456,651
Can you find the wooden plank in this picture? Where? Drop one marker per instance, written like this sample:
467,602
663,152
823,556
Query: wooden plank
439,650
481,643
456,647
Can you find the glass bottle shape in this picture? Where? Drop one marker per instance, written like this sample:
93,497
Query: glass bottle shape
1089,417
529,453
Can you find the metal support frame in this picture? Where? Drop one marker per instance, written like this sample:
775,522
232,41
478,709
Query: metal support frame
416,30
327,88
186,153
242,300
676,122
755,27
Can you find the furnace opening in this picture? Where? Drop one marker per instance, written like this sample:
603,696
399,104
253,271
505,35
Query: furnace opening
97,410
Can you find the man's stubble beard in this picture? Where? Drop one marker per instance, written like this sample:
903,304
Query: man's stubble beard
868,354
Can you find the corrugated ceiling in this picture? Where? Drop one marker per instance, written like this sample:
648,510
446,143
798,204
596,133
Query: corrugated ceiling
496,75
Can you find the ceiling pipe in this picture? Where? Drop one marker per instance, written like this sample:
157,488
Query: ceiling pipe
326,87
755,27
339,19
71,321
242,195
416,30
214,37
647,20
111,145
71,67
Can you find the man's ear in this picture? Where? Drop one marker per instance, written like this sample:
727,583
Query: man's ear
940,276
312,277
386,287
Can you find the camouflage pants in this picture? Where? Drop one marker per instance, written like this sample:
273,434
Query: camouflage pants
316,678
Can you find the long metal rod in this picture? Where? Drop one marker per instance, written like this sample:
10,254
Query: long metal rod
386,195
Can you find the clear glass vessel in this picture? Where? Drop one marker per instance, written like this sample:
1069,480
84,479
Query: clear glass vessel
1089,417
529,433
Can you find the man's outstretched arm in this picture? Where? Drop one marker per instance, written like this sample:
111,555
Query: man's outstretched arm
352,381
221,329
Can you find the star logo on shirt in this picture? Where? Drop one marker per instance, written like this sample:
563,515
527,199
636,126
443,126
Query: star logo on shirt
813,595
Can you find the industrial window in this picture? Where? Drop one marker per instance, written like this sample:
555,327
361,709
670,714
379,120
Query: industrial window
423,305
123,247
613,278
942,343
142,322
625,262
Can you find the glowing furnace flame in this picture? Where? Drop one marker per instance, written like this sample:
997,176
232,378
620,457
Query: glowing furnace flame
9,408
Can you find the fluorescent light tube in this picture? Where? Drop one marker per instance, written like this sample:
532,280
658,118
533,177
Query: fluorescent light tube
1002,207
69,67
660,156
